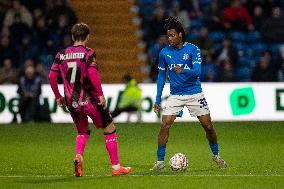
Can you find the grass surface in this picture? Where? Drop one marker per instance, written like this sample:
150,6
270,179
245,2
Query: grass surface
41,156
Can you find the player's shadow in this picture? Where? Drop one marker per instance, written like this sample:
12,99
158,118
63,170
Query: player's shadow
169,172
54,180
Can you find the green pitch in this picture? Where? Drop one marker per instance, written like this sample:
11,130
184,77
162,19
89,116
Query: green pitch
37,156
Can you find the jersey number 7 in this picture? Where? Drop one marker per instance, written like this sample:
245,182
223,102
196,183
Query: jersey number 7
73,66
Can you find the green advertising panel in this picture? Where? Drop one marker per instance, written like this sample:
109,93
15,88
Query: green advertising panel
279,99
242,101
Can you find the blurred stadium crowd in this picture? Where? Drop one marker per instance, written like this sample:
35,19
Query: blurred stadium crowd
31,33
240,40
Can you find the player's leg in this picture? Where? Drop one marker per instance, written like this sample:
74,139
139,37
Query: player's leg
173,107
197,106
211,135
81,121
102,119
167,121
112,148
163,136
206,123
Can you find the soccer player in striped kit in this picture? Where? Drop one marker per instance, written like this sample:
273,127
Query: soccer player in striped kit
84,97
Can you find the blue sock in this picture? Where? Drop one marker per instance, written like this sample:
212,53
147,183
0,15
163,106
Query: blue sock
214,149
161,153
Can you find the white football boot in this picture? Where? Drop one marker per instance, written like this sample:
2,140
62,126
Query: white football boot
219,161
159,167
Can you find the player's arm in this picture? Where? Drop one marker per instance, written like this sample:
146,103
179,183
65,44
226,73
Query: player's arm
195,71
160,82
53,74
94,77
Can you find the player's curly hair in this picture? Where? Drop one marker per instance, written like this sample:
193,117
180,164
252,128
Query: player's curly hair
173,23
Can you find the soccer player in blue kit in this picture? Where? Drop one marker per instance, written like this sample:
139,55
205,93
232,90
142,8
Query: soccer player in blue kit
181,61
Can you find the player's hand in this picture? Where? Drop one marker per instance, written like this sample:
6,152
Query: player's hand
102,102
178,69
156,108
61,102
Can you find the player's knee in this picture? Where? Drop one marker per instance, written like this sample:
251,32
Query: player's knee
208,127
166,125
110,128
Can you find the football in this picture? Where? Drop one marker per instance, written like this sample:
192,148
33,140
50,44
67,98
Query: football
178,162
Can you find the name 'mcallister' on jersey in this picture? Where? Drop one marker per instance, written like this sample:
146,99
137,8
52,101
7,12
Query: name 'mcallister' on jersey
189,59
73,64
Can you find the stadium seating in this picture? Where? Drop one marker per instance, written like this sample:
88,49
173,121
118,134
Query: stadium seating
217,36
258,48
253,36
116,45
244,74
237,36
196,24
274,48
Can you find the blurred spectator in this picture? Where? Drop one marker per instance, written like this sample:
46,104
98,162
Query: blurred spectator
41,72
269,6
67,40
57,8
34,4
258,17
20,10
37,36
226,71
227,51
208,69
8,74
27,49
37,14
236,17
28,62
157,24
18,29
239,18
131,98
62,28
47,54
252,4
213,17
167,3
273,27
41,32
153,56
182,15
264,71
29,90
204,42
280,66
7,50
186,5
2,12
193,7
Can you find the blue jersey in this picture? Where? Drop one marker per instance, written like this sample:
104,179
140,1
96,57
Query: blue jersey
186,83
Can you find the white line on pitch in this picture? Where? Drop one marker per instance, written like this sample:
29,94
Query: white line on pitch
138,175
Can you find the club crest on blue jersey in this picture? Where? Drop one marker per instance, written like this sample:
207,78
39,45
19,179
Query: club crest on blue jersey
185,56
